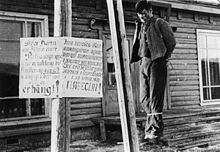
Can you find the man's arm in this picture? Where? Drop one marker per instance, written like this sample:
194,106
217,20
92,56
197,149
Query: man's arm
168,37
136,44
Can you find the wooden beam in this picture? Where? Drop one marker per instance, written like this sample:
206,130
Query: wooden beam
123,76
28,107
103,130
118,76
126,74
60,130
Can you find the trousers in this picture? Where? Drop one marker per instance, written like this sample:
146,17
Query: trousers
153,76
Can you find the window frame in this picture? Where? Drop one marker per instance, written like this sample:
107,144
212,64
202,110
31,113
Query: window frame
107,37
14,16
202,101
43,20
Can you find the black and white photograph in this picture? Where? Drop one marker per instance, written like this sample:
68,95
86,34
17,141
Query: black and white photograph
109,75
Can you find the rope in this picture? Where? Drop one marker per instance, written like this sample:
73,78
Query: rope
155,113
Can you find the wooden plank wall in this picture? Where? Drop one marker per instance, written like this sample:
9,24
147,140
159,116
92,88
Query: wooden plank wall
184,74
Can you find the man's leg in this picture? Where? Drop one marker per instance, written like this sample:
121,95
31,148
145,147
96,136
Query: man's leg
144,84
158,76
145,88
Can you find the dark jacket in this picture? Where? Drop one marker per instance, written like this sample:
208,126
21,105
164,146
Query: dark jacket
159,37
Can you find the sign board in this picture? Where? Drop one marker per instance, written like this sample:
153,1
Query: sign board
82,67
60,67
40,68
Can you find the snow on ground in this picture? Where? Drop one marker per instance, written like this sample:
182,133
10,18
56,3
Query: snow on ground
99,146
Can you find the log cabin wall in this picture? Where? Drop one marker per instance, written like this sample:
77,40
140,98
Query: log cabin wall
184,69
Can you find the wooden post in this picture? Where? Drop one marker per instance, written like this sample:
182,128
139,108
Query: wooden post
123,76
60,129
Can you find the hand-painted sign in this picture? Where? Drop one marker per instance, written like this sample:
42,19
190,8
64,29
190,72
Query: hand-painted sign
82,65
60,67
40,68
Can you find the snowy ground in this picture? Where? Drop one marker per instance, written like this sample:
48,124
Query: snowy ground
114,144
98,146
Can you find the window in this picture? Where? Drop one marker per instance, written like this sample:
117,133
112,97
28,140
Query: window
110,61
110,67
13,26
209,65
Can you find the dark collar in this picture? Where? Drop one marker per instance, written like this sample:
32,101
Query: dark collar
150,20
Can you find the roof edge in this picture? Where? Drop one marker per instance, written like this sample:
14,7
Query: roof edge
211,9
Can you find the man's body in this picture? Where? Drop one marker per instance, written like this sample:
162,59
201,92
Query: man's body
153,44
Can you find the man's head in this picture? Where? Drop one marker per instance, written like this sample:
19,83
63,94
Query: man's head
144,10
